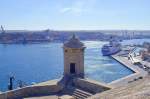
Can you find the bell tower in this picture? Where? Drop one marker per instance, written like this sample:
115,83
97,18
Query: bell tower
74,57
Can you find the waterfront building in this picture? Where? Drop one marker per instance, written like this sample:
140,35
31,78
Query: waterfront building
145,53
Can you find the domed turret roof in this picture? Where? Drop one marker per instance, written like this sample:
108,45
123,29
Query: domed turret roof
74,42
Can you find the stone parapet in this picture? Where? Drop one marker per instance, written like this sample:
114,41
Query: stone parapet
45,88
91,85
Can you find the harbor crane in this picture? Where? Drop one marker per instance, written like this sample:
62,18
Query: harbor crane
134,60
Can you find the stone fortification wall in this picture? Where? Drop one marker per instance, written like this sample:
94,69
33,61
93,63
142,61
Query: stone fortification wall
31,91
91,85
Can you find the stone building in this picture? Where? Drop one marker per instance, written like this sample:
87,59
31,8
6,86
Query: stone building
146,52
74,57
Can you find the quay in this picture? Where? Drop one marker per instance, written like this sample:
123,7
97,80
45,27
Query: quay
138,72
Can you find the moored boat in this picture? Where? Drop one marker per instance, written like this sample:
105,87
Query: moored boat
112,48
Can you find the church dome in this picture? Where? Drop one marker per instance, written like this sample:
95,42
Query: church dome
74,42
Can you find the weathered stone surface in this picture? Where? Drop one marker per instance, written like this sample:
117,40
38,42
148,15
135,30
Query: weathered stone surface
91,85
44,88
66,97
74,42
43,97
136,90
74,53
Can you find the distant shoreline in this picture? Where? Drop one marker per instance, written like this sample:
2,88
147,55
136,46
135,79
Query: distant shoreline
54,41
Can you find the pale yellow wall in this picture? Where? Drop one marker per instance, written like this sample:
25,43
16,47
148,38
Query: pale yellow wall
74,56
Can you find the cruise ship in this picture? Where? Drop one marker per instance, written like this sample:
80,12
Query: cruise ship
112,48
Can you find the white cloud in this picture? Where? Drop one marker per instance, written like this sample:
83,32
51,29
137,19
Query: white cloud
65,10
72,10
78,7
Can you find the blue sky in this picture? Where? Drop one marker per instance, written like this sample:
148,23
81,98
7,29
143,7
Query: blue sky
75,14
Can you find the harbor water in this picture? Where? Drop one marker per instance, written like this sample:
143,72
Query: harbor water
41,62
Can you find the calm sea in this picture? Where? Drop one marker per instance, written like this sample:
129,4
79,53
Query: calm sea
40,62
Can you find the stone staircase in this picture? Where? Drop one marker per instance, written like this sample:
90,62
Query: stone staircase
78,93
72,90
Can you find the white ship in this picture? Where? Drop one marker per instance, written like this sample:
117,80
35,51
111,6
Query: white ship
112,48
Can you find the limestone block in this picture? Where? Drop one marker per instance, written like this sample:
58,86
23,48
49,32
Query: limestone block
66,97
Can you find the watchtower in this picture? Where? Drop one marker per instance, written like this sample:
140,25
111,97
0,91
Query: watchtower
74,57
